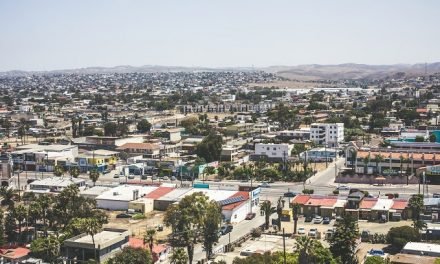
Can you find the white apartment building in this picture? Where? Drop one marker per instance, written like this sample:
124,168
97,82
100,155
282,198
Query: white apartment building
329,134
273,151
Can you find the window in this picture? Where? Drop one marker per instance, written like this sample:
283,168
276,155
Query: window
267,148
274,148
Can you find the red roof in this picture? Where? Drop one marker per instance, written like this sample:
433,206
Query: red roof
321,201
367,203
14,253
232,206
136,243
300,199
422,110
399,204
159,192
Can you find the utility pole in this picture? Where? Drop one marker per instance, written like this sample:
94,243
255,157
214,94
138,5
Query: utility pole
284,247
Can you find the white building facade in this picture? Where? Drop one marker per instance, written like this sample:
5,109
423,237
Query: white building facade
330,134
273,151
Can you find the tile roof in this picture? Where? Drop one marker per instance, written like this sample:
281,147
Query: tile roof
139,243
159,192
396,155
300,199
322,201
245,195
399,204
367,203
14,253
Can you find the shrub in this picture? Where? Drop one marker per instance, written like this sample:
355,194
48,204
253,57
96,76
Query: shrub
138,216
256,232
399,236
308,191
335,191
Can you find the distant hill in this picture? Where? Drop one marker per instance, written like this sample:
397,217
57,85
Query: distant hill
351,71
300,72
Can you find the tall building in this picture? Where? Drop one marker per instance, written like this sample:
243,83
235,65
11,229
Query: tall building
5,169
329,134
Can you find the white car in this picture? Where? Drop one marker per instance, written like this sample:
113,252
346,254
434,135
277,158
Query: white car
312,232
301,231
317,220
343,187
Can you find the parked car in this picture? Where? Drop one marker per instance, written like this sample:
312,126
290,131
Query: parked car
436,195
154,177
123,215
131,176
343,187
225,229
106,171
144,177
250,216
308,219
317,220
326,220
166,178
312,232
173,178
301,231
264,185
116,176
29,181
289,194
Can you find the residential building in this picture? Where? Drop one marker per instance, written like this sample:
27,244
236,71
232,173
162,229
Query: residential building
6,169
421,249
147,150
273,152
330,134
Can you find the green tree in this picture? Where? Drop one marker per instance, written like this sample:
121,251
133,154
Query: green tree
46,248
178,256
58,171
311,251
2,228
90,226
210,147
149,238
343,242
399,236
211,226
20,215
110,129
272,258
279,211
416,205
432,138
267,209
74,172
378,158
375,260
130,255
296,209
419,139
8,196
94,175
186,220
143,126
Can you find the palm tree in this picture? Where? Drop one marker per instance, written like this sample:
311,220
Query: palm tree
295,208
279,211
58,171
305,247
178,256
149,238
20,214
7,194
74,172
91,226
268,210
94,175
353,159
378,158
43,202
366,161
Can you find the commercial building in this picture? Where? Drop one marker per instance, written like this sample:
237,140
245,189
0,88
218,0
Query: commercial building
119,197
106,244
55,184
330,134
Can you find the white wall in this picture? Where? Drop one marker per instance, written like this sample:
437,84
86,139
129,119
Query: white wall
238,214
273,150
112,205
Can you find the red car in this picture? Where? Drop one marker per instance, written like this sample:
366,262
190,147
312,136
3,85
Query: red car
250,216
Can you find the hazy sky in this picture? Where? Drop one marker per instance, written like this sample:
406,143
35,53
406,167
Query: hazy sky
61,34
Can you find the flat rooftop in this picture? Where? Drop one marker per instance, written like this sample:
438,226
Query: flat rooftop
57,181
